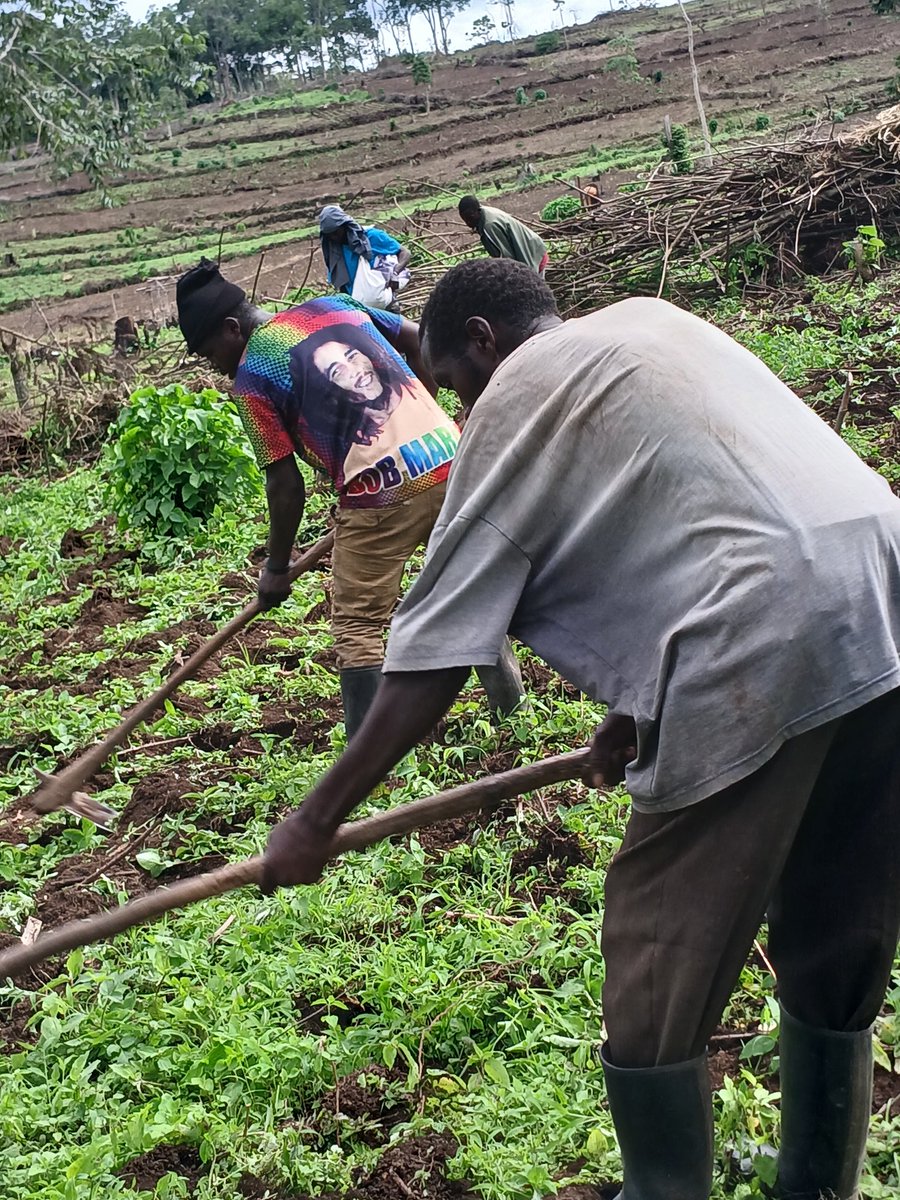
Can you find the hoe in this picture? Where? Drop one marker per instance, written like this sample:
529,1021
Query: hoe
467,798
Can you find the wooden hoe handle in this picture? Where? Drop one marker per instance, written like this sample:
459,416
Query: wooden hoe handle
56,791
467,798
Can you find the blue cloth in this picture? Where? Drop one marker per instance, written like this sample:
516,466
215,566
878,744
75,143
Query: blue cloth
379,242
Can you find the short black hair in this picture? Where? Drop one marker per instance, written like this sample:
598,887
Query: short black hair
498,289
469,204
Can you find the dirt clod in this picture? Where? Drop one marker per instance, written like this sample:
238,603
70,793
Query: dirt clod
13,1033
365,1104
144,1171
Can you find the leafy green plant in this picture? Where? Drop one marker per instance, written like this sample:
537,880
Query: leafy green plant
762,122
173,455
867,247
540,94
561,208
546,43
713,125
679,150
521,96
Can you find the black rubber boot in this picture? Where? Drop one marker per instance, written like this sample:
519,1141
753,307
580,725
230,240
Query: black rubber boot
358,688
826,1099
503,684
663,1120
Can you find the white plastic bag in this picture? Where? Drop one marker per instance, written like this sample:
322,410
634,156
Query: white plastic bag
370,287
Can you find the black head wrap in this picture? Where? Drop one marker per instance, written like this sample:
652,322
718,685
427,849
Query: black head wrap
204,300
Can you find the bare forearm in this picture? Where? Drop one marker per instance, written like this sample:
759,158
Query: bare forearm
286,497
406,708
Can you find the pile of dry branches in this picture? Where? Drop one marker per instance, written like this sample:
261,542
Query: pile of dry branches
764,215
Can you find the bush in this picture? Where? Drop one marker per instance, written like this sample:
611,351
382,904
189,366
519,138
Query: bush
713,125
173,455
657,76
761,122
540,94
546,43
679,150
561,208
521,96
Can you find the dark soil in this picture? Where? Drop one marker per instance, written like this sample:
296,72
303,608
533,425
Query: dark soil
365,1105
415,1169
721,1063
154,796
145,1171
13,1033
588,1191
886,1090
102,611
34,977
552,854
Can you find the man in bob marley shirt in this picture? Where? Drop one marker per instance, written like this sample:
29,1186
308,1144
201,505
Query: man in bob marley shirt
328,380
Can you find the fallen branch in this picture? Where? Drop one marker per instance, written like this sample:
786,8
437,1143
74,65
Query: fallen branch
468,798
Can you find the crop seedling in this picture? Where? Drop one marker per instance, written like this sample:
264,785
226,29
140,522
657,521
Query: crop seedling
762,122
867,246
540,94
521,96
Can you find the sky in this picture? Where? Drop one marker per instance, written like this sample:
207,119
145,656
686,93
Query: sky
531,16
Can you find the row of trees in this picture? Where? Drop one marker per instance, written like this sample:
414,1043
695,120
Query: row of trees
82,80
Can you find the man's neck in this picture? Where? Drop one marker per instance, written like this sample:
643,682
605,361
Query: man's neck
258,317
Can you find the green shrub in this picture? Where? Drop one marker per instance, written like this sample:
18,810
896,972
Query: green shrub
657,76
546,43
521,96
540,94
679,150
173,455
561,208
713,125
761,122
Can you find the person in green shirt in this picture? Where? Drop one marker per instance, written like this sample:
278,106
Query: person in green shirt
504,236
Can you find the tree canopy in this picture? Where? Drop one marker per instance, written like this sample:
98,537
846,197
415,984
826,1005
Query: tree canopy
78,78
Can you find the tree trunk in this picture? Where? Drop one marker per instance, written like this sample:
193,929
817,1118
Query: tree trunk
427,99
17,368
698,99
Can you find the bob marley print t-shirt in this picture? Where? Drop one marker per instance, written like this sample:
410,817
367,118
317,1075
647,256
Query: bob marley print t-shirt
323,380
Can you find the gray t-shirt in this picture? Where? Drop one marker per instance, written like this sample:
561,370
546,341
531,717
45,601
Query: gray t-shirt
647,506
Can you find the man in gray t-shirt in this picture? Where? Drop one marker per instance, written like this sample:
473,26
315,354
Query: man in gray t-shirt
643,503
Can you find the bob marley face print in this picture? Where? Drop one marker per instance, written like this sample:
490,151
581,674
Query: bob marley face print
349,369
323,380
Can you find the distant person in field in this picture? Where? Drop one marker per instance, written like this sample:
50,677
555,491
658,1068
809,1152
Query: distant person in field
644,504
365,263
327,380
504,236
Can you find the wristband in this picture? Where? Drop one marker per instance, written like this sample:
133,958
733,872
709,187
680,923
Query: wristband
278,570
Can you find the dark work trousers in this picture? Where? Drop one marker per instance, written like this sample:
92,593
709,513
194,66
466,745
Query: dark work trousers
811,839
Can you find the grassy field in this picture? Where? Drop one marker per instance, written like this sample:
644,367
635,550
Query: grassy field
431,1011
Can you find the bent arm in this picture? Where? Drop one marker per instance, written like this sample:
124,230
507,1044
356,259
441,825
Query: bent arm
286,498
406,708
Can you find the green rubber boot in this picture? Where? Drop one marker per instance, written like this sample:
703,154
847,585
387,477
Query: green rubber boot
358,688
663,1120
826,1099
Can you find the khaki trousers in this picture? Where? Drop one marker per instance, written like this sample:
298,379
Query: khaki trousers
371,548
